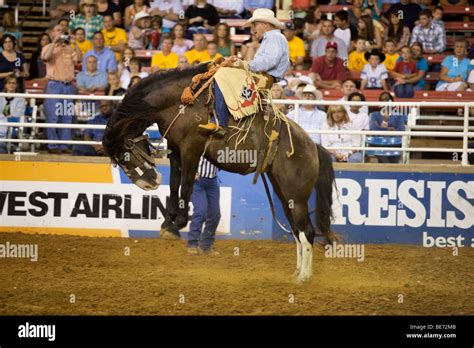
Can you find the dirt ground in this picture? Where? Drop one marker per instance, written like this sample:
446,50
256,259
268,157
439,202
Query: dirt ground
160,278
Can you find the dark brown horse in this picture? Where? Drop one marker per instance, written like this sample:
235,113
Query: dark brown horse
157,99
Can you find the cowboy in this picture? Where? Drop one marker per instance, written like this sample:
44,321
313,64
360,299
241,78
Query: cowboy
272,60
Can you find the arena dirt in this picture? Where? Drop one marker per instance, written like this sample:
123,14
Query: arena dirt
158,276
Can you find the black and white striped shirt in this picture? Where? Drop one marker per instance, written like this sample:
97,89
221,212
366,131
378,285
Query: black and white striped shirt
206,169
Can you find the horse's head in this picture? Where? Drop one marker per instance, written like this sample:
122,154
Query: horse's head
136,161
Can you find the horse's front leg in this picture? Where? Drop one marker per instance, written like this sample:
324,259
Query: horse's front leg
188,175
168,229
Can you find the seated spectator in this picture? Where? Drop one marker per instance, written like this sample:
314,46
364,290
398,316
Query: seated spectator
183,63
345,31
169,11
404,74
132,10
312,28
105,57
357,59
91,80
318,47
37,66
88,19
138,34
249,48
295,46
12,62
62,8
370,33
391,56
455,69
430,35
154,35
407,10
134,69
128,54
165,59
113,86
309,116
358,114
278,93
199,53
225,46
212,50
106,110
438,13
348,88
374,75
397,31
387,120
201,16
421,65
252,5
83,44
114,38
180,43
229,9
328,71
470,81
9,28
337,119
372,8
134,81
109,8
10,107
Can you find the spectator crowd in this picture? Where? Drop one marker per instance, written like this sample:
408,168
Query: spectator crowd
92,46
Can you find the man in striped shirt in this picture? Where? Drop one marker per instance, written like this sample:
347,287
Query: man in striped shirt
206,212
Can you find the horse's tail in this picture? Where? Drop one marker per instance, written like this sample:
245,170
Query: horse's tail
324,187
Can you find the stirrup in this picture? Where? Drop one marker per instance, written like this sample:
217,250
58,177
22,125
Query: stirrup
210,126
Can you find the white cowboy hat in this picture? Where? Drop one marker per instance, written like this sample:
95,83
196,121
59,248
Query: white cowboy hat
264,15
140,15
311,89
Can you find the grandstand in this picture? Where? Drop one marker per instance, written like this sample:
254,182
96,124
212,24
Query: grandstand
33,18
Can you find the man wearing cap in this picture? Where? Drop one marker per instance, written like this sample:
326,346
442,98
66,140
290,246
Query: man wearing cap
271,60
309,116
295,46
328,71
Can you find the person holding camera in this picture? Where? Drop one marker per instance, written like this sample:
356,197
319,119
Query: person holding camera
60,58
12,62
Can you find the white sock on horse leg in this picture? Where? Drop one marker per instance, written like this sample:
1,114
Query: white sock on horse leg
299,251
307,259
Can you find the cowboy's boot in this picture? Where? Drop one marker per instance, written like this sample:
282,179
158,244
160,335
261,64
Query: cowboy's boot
213,129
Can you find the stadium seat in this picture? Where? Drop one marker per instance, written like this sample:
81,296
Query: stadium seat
379,141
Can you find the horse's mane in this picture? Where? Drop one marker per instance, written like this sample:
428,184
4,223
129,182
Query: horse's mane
132,114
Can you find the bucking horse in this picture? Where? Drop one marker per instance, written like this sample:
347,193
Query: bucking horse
157,99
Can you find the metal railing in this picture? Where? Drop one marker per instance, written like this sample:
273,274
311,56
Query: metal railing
410,132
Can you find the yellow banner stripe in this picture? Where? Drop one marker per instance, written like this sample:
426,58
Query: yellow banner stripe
56,171
83,232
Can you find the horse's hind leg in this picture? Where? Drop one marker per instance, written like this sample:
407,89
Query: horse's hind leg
305,235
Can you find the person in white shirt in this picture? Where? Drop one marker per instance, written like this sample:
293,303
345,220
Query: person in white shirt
318,47
229,9
309,117
359,118
374,75
345,31
168,10
134,69
349,87
338,119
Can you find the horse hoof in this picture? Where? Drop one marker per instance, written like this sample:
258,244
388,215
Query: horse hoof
301,279
168,235
295,274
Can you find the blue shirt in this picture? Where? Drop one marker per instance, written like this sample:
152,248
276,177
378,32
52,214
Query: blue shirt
106,61
421,65
396,121
96,134
456,67
272,56
258,4
87,81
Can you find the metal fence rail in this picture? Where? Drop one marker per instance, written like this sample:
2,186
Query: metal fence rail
412,108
